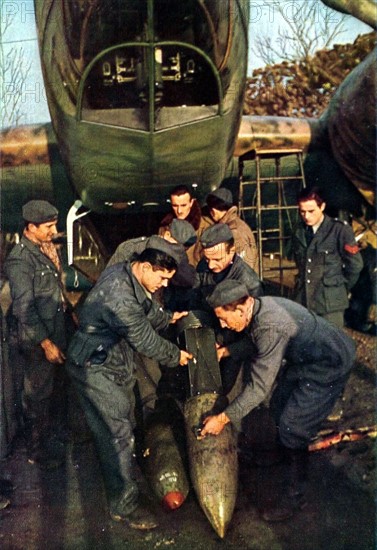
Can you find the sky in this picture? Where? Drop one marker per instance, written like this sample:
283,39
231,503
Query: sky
264,18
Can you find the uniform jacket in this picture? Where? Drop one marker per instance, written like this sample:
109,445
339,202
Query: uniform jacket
284,332
118,309
243,238
199,223
207,280
238,270
328,268
37,309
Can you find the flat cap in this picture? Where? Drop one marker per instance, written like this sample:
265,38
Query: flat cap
224,195
226,292
38,211
175,250
216,234
183,232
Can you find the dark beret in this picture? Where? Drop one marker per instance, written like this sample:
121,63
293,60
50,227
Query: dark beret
37,211
222,194
226,292
183,232
175,250
216,234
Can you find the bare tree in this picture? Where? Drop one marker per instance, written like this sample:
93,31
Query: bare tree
14,70
309,26
301,72
304,88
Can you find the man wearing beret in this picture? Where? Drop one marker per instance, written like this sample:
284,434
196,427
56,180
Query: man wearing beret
305,357
222,210
120,317
38,325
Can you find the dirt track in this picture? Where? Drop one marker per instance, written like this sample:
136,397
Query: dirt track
66,508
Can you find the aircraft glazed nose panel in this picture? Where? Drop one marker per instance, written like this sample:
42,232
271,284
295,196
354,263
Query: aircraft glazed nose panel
145,88
90,27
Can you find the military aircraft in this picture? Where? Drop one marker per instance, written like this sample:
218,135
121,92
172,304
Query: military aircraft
142,95
145,95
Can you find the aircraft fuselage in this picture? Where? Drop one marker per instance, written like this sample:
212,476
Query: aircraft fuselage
143,95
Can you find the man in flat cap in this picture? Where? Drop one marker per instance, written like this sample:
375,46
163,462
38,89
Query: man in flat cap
38,326
222,210
181,235
220,261
305,357
120,317
175,297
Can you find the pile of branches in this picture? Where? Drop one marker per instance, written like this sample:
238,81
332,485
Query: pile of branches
305,87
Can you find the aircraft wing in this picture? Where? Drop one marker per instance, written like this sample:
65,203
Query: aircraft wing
32,168
345,135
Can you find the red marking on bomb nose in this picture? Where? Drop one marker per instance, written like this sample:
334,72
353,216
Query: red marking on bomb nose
173,500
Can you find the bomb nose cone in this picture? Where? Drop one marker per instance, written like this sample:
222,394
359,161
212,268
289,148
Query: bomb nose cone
213,464
173,500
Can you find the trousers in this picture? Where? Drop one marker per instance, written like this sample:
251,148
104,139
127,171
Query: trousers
301,403
106,396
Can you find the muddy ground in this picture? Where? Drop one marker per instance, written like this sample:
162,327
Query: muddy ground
66,508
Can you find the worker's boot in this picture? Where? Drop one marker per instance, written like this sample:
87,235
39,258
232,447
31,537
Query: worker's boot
41,448
4,501
273,501
285,491
297,476
33,439
129,508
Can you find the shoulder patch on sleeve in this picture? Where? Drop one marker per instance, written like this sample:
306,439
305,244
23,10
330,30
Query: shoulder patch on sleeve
351,248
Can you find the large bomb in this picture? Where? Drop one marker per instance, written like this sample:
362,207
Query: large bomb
163,465
213,463
213,460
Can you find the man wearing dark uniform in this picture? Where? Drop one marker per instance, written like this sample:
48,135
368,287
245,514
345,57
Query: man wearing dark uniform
327,257
38,325
302,357
120,317
220,262
182,236
175,297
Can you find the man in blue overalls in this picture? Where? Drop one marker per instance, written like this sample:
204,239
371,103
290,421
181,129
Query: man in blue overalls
301,357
